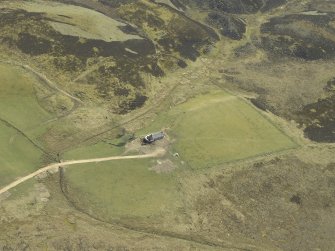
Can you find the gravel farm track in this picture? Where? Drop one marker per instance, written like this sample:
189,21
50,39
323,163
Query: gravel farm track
55,166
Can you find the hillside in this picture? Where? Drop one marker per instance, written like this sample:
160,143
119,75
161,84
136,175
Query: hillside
244,92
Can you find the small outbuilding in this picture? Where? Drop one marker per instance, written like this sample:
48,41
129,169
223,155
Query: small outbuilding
150,138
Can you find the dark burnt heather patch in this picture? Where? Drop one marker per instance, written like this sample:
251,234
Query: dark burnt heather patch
71,54
236,7
69,63
174,33
330,86
260,103
33,45
210,32
167,39
271,4
123,79
92,48
245,49
124,72
296,199
11,16
230,6
117,3
27,31
228,25
40,38
137,102
182,64
325,133
309,37
319,119
128,29
178,4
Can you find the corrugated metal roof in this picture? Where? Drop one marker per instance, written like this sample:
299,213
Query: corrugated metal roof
158,135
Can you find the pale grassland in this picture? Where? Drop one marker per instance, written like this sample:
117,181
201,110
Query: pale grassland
78,21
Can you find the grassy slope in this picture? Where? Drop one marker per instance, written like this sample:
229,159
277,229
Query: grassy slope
124,188
98,150
18,156
119,189
18,104
216,128
225,131
209,130
19,107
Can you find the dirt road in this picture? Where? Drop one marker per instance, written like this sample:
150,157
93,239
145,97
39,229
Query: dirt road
54,167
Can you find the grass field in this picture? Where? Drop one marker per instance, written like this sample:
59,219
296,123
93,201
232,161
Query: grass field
206,131
99,150
216,128
18,103
122,189
19,111
18,156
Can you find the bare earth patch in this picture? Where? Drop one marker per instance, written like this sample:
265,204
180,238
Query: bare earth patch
163,166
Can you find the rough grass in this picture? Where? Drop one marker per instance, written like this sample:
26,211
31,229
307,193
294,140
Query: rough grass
18,156
215,128
122,189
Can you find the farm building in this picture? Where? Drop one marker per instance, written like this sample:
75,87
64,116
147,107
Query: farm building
150,138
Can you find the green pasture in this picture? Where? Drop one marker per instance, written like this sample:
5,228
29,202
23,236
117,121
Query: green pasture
215,128
18,103
206,131
19,110
18,157
122,189
98,150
